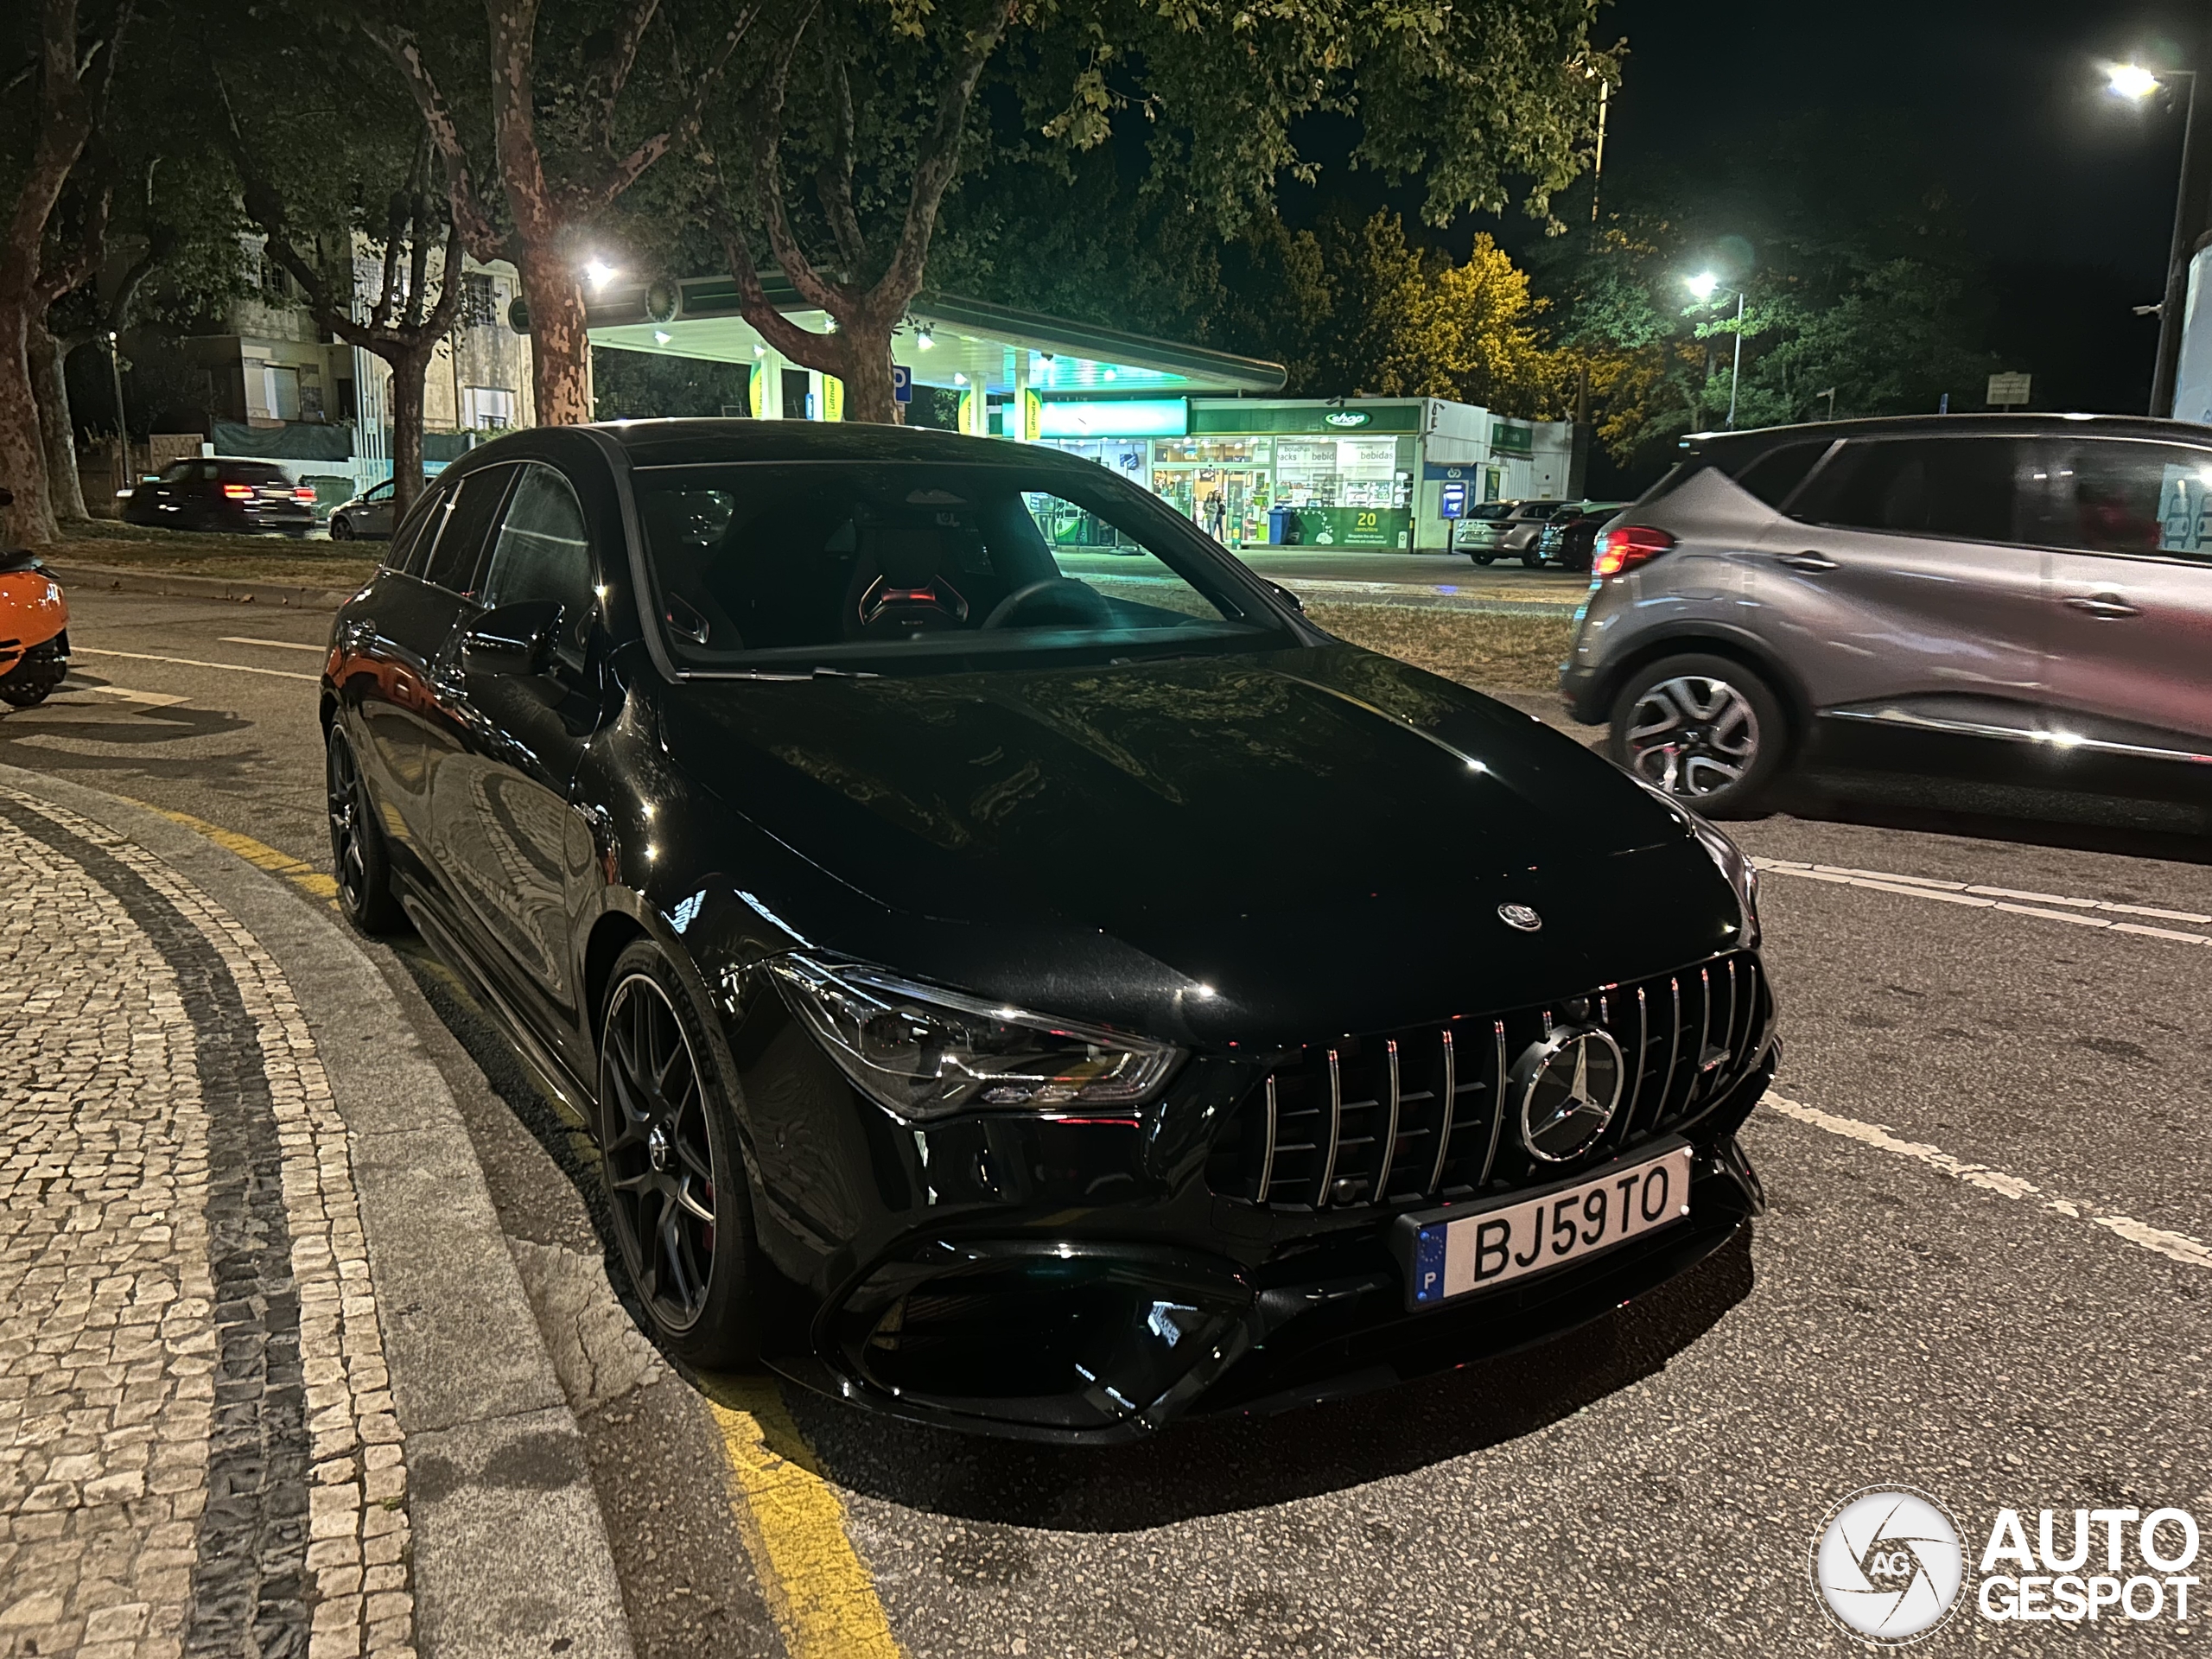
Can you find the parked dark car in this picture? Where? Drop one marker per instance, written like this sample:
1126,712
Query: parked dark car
214,494
2020,602
367,517
1569,537
1004,999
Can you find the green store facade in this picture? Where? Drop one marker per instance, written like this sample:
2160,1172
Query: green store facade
1384,475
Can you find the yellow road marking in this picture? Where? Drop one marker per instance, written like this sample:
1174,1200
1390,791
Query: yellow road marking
306,877
817,1588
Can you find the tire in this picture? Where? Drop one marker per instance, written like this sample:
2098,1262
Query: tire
1533,560
1707,730
673,1171
341,528
27,696
358,852
1483,558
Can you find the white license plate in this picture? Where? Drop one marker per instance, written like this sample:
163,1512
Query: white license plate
1462,1251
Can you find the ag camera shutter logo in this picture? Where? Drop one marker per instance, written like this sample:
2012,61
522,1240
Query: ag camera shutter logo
1888,1564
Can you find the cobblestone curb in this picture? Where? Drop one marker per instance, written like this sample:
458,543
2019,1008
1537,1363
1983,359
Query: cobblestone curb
132,579
204,1443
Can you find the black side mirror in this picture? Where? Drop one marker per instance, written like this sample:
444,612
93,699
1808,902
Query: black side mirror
512,640
1286,595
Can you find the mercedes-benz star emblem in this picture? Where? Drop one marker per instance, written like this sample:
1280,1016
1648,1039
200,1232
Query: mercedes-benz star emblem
657,1146
1520,916
1567,1088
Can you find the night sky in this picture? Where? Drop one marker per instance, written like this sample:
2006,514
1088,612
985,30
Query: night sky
2065,191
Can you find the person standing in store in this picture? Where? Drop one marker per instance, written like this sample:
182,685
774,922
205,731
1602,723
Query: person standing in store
1217,512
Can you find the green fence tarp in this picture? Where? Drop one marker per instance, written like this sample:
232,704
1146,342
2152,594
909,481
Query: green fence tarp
293,441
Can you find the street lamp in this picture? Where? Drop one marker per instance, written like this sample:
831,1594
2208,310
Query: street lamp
1702,287
2134,82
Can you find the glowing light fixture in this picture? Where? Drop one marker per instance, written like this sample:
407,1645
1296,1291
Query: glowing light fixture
661,336
924,339
600,272
959,379
1702,284
2131,80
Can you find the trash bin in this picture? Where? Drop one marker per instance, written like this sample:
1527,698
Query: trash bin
1282,527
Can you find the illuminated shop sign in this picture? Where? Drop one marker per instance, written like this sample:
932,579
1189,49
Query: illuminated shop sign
1128,417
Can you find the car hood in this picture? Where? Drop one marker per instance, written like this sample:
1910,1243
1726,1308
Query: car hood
1282,846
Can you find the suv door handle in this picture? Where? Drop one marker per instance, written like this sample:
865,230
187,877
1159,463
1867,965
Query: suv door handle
1806,561
2111,606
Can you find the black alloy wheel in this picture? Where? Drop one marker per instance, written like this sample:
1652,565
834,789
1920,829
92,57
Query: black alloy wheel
358,853
341,528
669,1158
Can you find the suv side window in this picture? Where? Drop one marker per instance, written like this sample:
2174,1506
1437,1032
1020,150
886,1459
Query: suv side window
2111,495
1773,475
544,551
1963,488
456,559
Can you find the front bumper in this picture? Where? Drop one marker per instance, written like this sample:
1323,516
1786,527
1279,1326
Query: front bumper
1086,1282
1098,1344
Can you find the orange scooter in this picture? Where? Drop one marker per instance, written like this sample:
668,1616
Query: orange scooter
33,628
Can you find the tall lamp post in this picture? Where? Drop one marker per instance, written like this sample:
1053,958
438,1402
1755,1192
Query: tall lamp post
1704,286
2190,217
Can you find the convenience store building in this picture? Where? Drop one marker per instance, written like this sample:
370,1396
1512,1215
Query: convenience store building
1194,425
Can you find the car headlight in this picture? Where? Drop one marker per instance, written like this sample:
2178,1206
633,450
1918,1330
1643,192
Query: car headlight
926,1052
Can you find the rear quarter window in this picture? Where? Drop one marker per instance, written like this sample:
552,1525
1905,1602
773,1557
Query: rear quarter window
1774,474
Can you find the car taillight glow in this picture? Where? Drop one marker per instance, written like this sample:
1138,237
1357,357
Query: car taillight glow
1626,548
303,492
239,491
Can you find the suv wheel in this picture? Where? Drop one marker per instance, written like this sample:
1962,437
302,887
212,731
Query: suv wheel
1533,559
670,1158
1482,558
1709,731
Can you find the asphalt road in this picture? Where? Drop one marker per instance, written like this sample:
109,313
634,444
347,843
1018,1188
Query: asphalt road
1983,1274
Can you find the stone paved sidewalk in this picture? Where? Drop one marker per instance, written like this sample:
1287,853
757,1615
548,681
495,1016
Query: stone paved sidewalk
198,1448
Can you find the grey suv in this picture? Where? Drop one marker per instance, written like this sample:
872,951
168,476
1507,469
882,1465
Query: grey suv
2023,597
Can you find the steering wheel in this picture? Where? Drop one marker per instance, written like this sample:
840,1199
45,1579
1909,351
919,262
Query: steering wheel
1087,606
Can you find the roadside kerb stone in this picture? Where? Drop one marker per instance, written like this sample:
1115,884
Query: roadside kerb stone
415,1349
133,579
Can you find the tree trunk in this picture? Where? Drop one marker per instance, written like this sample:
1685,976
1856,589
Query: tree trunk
560,347
407,375
57,430
865,370
22,456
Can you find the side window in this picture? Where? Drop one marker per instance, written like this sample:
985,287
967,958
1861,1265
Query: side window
2114,496
414,534
544,551
1773,475
179,471
454,559
1965,488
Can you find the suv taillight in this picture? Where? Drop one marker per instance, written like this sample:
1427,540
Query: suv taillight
239,491
303,492
1626,548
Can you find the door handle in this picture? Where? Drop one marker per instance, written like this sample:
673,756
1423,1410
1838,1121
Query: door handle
1806,561
2110,607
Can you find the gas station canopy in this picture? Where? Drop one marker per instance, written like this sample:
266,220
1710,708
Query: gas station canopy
950,341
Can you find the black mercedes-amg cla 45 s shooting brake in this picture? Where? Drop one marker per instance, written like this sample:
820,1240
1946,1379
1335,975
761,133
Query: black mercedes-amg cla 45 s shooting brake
1023,975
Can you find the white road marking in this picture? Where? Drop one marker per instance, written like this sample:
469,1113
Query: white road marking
275,644
151,699
193,662
1977,897
2174,1246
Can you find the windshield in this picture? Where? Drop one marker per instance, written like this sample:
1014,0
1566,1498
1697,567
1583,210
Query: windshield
787,566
